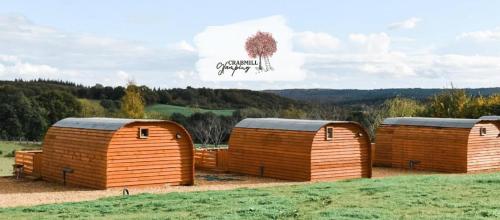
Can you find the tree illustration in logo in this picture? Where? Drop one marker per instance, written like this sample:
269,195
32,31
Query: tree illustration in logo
261,45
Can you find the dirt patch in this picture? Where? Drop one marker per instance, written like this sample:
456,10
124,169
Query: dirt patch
380,172
28,192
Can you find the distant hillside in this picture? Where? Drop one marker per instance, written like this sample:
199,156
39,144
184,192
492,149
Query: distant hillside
205,98
355,96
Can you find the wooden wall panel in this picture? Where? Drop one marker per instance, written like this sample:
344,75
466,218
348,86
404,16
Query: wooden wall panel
484,151
383,152
82,150
102,159
282,154
32,161
301,155
211,159
435,149
159,159
346,156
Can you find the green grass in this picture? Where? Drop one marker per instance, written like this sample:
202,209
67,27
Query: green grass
167,110
403,197
6,162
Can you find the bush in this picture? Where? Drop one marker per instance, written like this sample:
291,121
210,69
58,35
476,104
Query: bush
1,152
11,154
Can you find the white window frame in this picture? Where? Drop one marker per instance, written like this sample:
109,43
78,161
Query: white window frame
141,136
326,133
483,131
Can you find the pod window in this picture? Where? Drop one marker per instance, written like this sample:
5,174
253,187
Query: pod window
329,133
143,133
482,131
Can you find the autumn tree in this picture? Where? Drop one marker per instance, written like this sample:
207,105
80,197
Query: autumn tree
132,104
452,103
261,45
481,106
293,113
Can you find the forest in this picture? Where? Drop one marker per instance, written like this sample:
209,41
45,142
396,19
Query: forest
28,108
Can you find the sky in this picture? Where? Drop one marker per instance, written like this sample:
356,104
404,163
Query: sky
320,44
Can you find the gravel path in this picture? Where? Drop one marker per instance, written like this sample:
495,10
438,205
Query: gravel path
27,192
380,172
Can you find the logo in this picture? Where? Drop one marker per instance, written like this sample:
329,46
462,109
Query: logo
259,47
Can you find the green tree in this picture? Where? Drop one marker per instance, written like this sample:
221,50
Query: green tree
132,104
402,107
34,125
294,113
250,113
58,105
91,109
11,127
111,106
20,116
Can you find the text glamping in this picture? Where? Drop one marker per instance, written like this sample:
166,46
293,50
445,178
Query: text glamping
235,65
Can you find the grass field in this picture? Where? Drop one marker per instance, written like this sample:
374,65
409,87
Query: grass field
6,162
167,110
402,197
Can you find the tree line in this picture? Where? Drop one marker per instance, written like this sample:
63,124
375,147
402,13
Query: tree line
370,97
28,108
189,96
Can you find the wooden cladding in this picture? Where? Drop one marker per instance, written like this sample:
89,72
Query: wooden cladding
31,161
483,152
345,156
301,155
211,159
103,159
454,150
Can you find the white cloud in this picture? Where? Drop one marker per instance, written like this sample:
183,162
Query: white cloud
183,74
316,42
481,36
409,23
13,67
221,43
123,76
370,57
183,46
371,43
86,58
306,59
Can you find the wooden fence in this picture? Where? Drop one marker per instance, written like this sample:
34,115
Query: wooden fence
32,161
217,158
211,159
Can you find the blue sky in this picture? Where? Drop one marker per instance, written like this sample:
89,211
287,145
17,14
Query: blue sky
344,44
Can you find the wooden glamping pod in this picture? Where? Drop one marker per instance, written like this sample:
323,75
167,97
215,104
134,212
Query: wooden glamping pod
300,150
104,152
439,144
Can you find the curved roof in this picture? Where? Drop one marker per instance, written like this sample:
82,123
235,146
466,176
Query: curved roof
109,124
490,117
285,124
434,122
